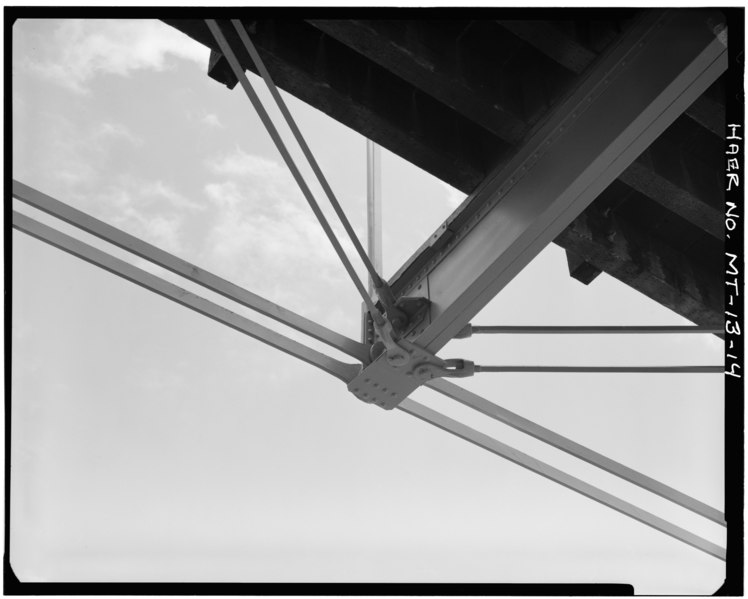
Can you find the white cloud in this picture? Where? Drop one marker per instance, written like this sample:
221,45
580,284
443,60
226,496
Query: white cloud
242,164
152,210
85,48
158,190
212,120
74,155
162,230
265,233
107,130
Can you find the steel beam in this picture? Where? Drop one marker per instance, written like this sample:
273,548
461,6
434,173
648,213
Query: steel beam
627,99
149,252
570,482
340,370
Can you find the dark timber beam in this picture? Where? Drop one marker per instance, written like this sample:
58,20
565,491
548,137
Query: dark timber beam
448,76
576,56
364,96
442,76
580,269
626,101
677,199
631,255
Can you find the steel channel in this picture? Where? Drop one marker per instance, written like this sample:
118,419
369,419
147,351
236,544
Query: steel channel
143,249
340,370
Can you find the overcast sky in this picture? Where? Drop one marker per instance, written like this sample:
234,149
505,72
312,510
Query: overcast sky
150,443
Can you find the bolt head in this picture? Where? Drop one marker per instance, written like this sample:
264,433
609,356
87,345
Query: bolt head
397,358
423,373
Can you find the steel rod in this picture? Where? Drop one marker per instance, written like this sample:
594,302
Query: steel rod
145,250
606,369
341,370
268,123
587,330
373,210
259,63
570,482
528,427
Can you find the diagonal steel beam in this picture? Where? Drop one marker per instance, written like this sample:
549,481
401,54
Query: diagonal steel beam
528,427
338,369
522,459
149,252
626,100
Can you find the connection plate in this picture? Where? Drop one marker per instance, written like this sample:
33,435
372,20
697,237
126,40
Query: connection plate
385,384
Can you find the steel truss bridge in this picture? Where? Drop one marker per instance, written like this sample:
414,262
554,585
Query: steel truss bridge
603,132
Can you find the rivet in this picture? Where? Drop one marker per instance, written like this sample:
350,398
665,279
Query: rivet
393,394
367,380
355,389
376,385
365,394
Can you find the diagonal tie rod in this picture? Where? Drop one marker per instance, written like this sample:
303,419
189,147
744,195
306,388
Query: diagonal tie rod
471,329
710,369
257,60
272,130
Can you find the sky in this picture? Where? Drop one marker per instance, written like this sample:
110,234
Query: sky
152,444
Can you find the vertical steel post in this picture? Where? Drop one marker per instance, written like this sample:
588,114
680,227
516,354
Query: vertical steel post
373,209
373,225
